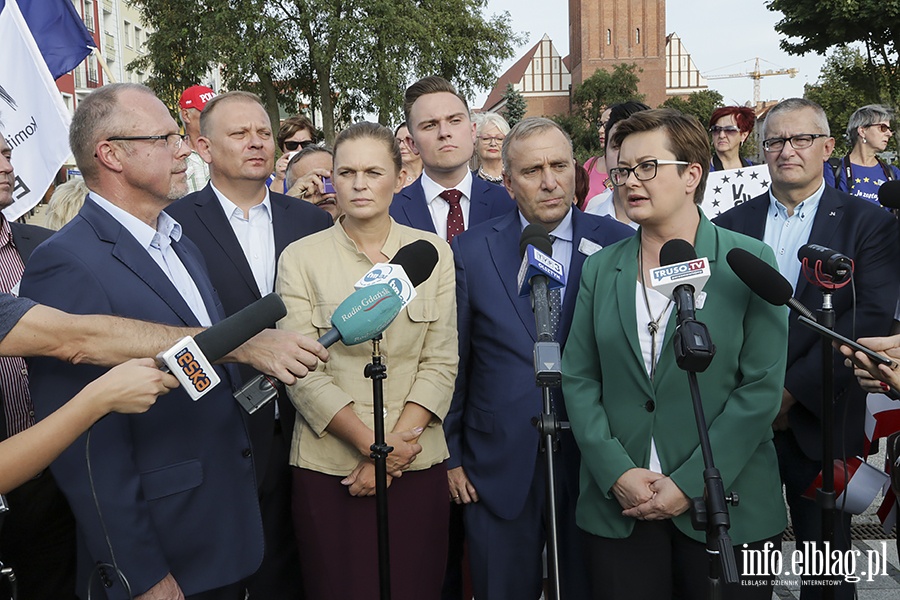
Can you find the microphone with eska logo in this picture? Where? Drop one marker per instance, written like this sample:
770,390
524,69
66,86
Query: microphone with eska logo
191,359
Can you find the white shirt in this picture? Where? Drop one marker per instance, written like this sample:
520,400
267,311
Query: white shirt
602,206
256,237
658,303
158,244
440,208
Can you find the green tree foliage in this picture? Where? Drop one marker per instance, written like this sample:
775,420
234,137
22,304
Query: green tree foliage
818,25
515,108
190,38
591,98
700,104
605,88
840,90
347,57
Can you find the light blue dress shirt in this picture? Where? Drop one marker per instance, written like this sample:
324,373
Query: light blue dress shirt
786,234
158,243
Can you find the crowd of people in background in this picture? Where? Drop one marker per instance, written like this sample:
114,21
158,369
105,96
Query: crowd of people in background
183,225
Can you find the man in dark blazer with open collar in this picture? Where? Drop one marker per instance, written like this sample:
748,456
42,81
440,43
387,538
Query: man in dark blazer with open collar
442,134
242,272
169,496
858,229
496,467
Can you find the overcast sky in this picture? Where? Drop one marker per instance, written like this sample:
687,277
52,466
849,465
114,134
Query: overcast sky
722,36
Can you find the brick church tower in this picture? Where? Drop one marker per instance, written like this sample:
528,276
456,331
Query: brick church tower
605,33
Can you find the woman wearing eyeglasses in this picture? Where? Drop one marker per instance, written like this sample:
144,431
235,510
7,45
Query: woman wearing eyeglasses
412,162
491,130
729,128
629,403
862,172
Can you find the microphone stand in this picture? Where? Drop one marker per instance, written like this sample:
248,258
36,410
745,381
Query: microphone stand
825,496
377,372
694,351
10,576
548,374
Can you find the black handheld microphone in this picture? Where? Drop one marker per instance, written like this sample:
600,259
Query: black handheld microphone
765,281
229,333
535,235
833,263
191,359
694,349
673,252
889,194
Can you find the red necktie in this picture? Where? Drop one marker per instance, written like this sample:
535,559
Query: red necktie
455,224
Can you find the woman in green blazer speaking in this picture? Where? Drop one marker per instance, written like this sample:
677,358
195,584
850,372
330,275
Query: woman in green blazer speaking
629,403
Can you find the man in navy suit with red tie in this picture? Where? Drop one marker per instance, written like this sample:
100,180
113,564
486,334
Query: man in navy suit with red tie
447,199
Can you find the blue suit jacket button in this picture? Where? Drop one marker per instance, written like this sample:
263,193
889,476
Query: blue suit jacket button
246,453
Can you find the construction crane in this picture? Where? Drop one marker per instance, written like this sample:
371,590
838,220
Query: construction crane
756,75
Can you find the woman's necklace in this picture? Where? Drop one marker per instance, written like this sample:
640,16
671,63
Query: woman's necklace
653,325
490,178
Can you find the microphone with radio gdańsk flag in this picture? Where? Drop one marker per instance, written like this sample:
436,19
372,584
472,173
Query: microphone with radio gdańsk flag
681,277
538,274
191,359
363,315
411,265
370,309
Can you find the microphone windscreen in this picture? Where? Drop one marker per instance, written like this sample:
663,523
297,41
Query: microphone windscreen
676,251
765,281
418,259
889,194
537,236
363,314
226,335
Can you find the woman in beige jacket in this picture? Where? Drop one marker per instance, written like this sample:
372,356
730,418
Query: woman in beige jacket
334,479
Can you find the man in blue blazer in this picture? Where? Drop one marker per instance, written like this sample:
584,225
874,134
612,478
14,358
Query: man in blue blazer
165,500
241,228
800,209
496,466
443,135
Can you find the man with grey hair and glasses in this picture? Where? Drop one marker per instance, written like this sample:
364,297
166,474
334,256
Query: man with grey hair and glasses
166,501
800,209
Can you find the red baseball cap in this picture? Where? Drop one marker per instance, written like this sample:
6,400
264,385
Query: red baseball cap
196,96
